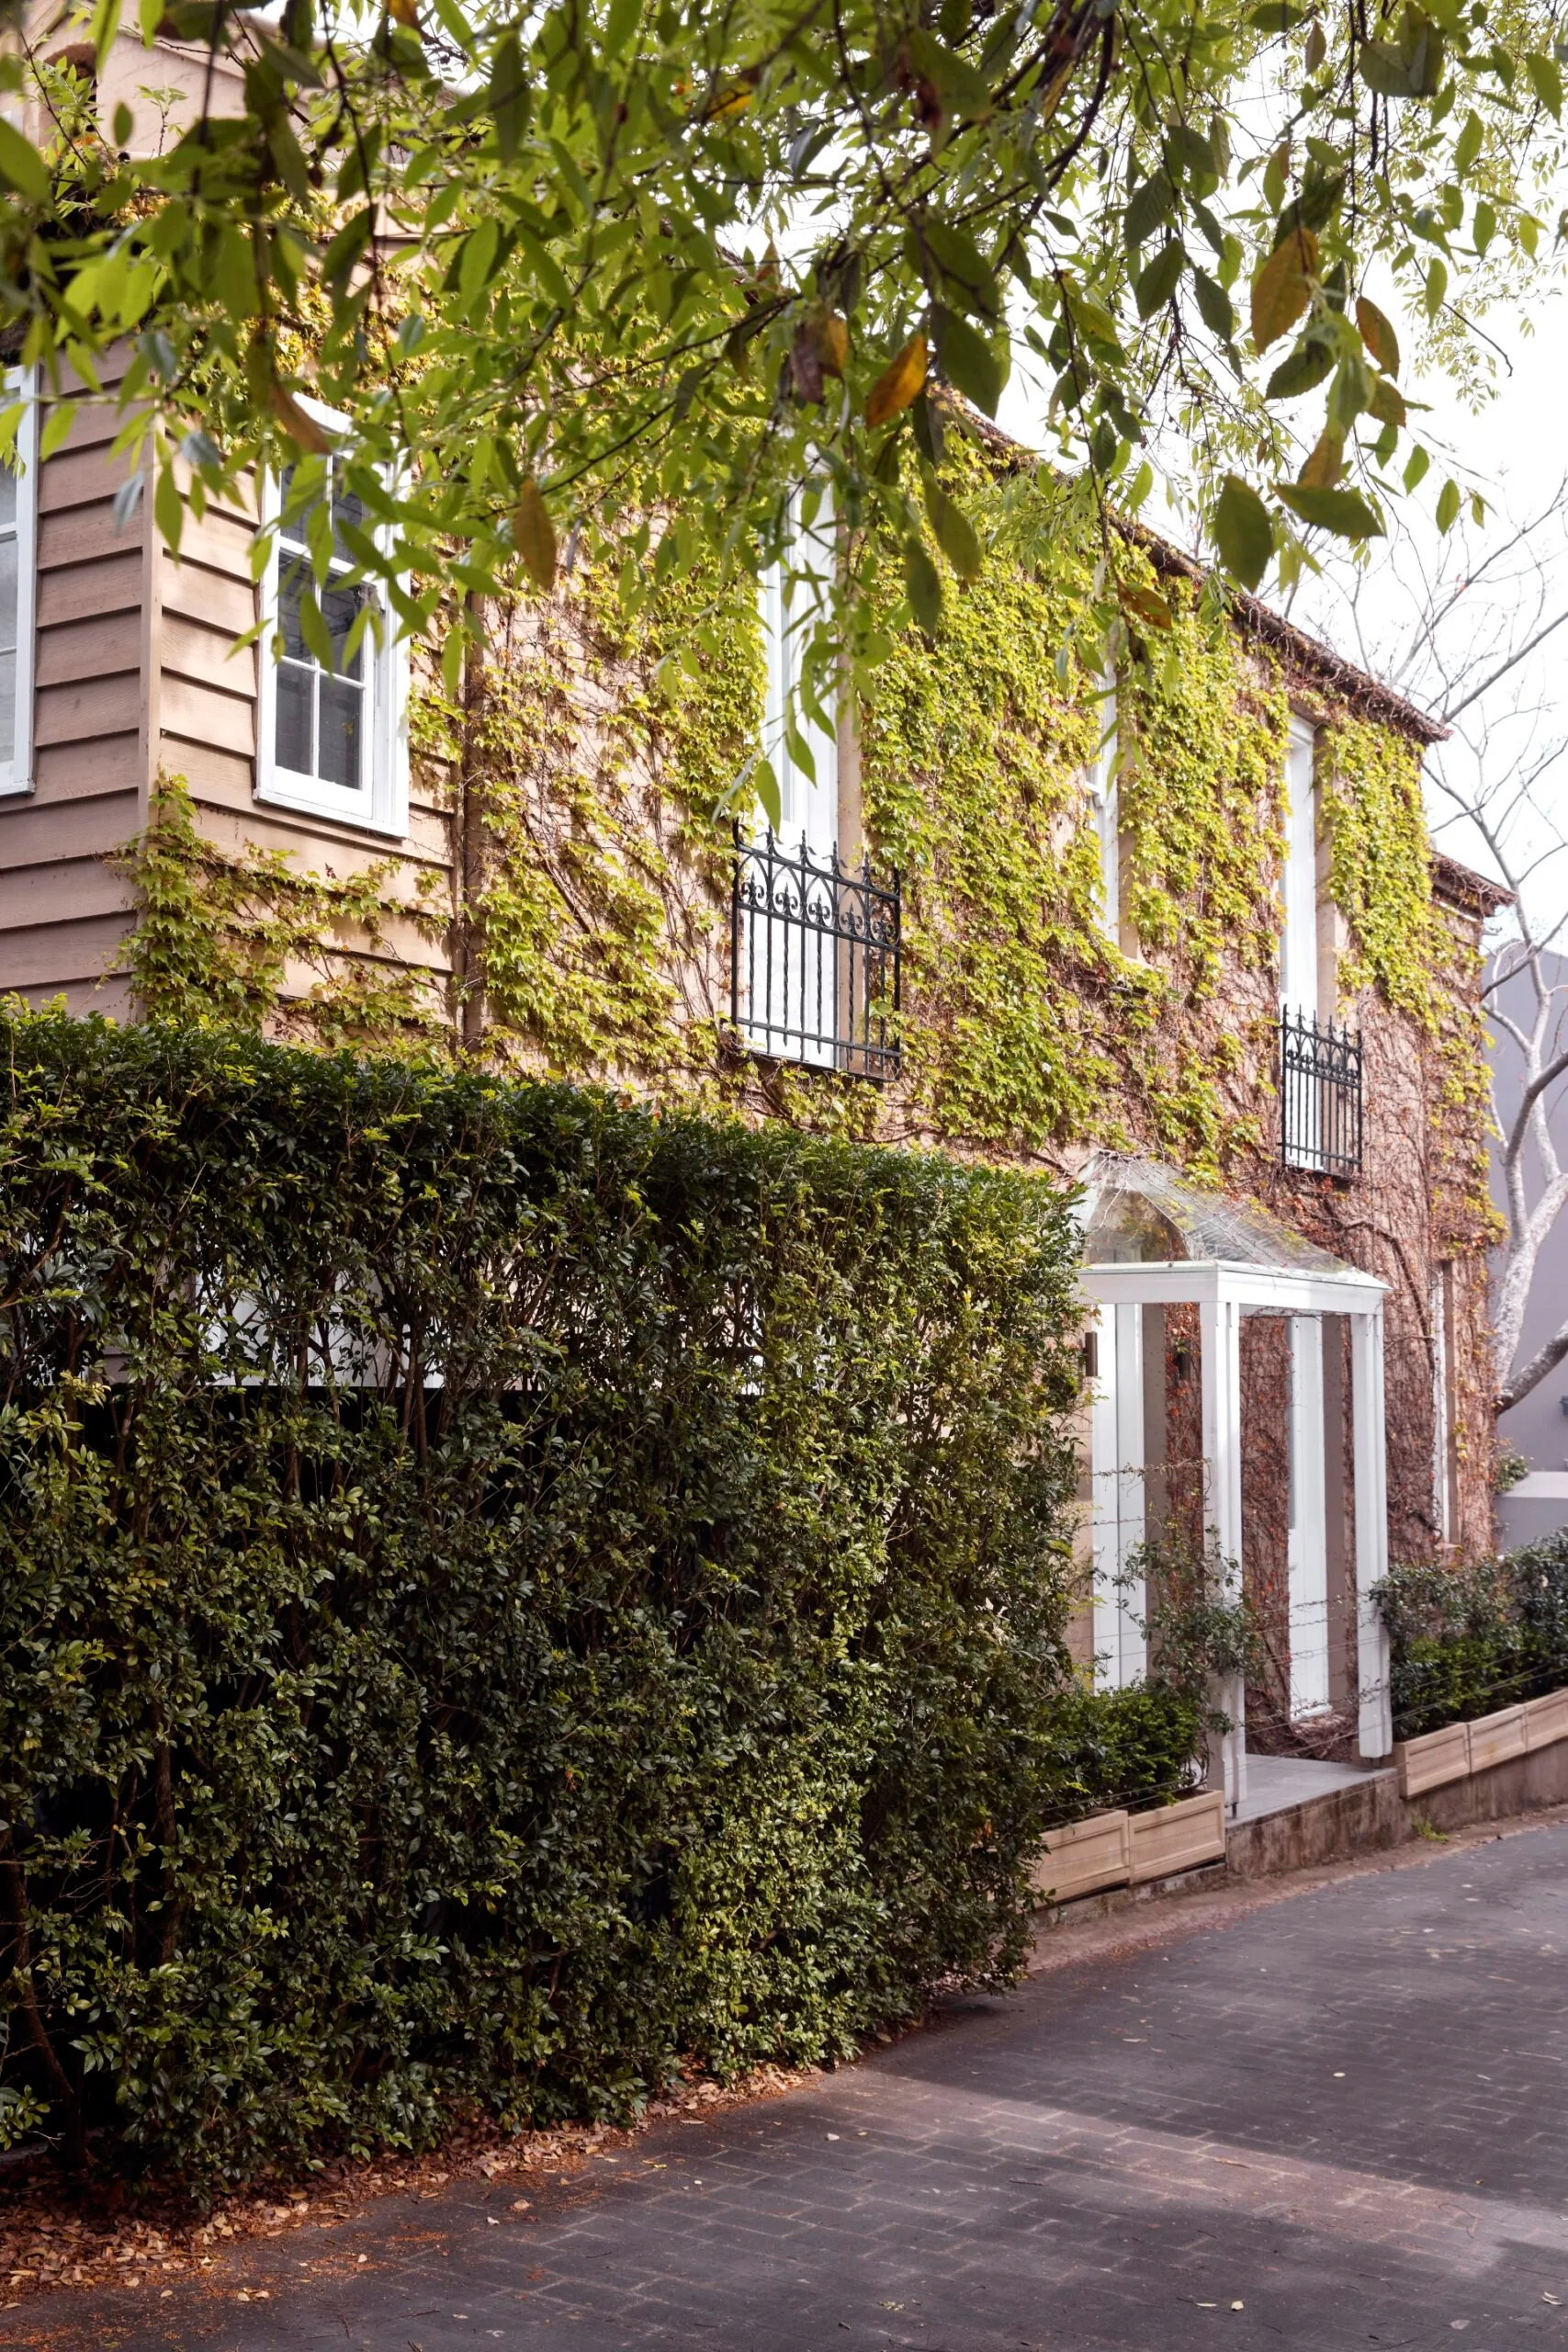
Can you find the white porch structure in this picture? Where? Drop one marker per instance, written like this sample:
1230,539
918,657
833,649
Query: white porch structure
1153,1240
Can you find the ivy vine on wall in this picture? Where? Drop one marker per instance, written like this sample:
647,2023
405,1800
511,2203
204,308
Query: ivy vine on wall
602,756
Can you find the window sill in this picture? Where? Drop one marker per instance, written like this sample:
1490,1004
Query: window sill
356,810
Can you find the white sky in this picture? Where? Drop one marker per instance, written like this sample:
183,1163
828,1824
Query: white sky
1515,449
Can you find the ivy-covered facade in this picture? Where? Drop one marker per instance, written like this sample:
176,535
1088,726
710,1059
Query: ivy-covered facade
1093,875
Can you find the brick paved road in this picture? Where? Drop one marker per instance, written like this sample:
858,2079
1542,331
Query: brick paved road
1345,2113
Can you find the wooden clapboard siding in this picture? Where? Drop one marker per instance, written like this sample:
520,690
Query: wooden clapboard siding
64,911
33,956
137,674
208,716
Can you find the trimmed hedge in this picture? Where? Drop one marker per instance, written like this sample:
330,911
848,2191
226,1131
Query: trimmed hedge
1464,1642
503,1591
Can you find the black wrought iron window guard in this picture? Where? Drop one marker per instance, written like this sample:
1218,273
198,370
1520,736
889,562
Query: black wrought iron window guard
1319,1096
815,965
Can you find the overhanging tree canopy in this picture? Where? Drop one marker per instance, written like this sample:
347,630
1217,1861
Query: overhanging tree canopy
570,270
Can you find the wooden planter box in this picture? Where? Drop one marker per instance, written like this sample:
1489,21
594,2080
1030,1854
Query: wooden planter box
1496,1739
1178,1837
1084,1857
1546,1720
1433,1760
1459,1750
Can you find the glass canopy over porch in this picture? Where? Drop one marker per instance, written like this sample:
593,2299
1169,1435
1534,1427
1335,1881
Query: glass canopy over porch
1172,1271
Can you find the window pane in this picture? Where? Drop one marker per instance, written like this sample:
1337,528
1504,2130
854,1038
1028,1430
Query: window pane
292,532
294,695
341,706
340,607
7,595
293,581
346,509
7,496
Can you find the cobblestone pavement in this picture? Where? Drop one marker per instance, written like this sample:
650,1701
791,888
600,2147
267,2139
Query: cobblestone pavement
1340,2121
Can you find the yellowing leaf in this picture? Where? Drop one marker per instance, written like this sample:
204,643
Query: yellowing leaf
832,336
1281,292
900,383
299,426
1378,335
404,12
1387,403
534,535
1324,466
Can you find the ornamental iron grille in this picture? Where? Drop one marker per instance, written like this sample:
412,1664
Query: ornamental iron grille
1319,1096
815,958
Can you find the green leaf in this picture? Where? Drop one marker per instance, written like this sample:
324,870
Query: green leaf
923,583
508,95
1243,532
1448,505
1148,208
1301,370
1214,306
1416,466
545,268
1546,81
1436,287
620,25
967,360
1383,70
1344,512
1156,284
766,781
1277,15
168,507
962,90
346,246
1485,225
955,534
21,166
1467,146
964,269
481,252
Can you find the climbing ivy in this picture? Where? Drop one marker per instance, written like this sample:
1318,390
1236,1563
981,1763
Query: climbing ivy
607,754
1379,862
601,753
219,930
1028,1026
1202,780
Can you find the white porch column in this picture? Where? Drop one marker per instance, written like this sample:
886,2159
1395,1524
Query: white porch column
1374,1728
1104,1484
1117,1443
1308,1555
1219,1327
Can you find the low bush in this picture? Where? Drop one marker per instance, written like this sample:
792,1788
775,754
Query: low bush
1464,1642
503,1590
1137,1747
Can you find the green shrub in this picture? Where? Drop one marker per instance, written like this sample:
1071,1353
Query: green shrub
1464,1642
1136,1746
503,1590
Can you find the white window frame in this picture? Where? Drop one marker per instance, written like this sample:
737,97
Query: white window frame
1105,791
1298,878
16,771
379,803
808,808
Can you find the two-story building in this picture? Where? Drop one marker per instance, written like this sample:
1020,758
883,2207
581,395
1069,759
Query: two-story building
1175,934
